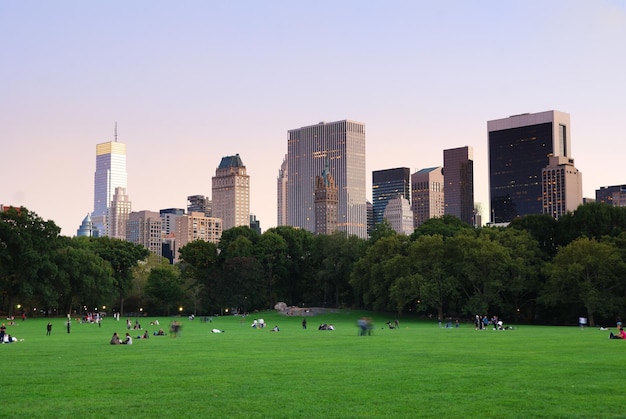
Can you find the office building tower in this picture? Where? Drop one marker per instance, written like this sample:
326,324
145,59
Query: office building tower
343,142
281,194
168,220
427,195
612,195
326,202
399,215
110,174
144,228
196,226
231,193
119,211
199,203
369,208
386,185
519,148
562,187
255,224
86,228
458,174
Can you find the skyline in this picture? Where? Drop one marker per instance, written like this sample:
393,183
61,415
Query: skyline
194,82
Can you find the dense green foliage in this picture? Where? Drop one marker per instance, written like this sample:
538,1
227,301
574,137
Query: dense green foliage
537,270
419,370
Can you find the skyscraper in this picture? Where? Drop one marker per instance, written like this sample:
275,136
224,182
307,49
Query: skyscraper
388,184
427,195
399,215
326,200
562,187
231,193
458,174
110,174
144,228
612,195
119,212
307,148
281,194
519,148
199,203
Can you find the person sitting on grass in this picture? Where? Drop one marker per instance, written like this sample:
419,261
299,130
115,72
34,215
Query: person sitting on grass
159,333
115,340
621,334
275,329
128,340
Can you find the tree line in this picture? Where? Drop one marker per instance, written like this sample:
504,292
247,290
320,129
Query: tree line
536,270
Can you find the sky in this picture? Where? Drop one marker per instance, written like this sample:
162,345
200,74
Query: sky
189,82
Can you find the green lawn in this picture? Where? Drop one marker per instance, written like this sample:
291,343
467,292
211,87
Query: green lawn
419,370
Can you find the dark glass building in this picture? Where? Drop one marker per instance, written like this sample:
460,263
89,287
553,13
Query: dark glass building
519,148
386,185
458,173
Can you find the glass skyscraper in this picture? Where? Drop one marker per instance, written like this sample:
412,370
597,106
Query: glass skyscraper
307,148
110,174
386,185
519,149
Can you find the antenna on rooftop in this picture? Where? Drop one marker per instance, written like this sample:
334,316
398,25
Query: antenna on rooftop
115,131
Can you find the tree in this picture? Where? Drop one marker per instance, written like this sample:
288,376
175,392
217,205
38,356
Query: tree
446,226
232,234
479,264
374,273
437,287
523,277
298,278
122,256
333,257
241,284
165,287
197,263
586,273
271,252
27,244
136,296
83,278
543,228
594,220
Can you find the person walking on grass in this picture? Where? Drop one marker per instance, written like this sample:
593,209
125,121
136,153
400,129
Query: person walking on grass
48,329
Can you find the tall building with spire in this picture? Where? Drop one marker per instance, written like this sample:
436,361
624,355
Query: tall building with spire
231,193
110,174
343,142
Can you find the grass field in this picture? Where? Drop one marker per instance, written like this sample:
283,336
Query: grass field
420,370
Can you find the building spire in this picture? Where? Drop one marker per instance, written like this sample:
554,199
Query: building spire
115,131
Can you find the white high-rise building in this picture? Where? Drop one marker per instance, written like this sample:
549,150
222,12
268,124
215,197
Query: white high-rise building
119,212
343,142
398,213
562,186
110,174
